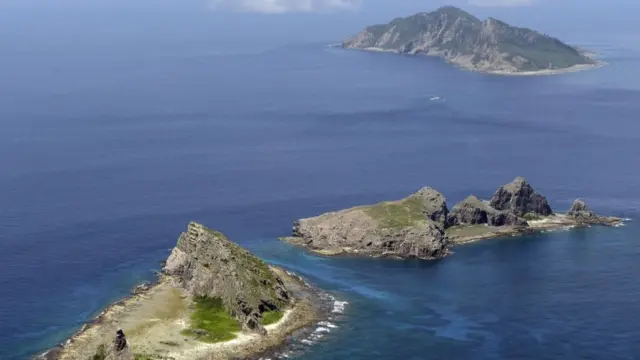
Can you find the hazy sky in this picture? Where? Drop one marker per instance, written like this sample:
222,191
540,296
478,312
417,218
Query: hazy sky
308,20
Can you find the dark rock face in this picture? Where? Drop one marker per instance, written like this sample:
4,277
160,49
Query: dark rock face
208,264
472,211
519,198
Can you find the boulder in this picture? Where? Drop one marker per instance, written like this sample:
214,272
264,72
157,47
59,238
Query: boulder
473,211
580,211
520,199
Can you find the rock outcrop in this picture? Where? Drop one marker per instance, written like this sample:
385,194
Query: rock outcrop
460,38
581,213
473,211
520,199
579,210
208,264
434,205
409,228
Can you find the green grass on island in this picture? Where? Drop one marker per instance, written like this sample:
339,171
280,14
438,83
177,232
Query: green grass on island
101,353
397,214
271,317
210,322
532,217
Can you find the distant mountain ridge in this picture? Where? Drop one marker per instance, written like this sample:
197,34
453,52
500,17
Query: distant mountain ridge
462,39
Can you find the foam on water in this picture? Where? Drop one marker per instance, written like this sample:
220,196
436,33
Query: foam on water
328,324
338,306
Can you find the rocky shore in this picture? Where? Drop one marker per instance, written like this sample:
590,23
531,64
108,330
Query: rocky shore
421,225
255,308
465,64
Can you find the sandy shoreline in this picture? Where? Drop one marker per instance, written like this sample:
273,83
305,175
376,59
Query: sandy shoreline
152,319
546,72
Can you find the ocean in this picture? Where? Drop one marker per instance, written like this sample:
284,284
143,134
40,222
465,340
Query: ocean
110,146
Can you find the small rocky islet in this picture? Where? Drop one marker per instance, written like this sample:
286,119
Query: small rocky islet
421,225
213,300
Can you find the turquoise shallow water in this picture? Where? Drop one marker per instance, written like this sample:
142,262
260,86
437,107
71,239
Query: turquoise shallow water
110,155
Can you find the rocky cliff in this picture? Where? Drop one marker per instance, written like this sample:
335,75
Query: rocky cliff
519,198
460,38
473,211
411,228
207,264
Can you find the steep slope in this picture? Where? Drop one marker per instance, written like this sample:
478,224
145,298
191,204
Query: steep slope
473,211
520,199
462,39
209,265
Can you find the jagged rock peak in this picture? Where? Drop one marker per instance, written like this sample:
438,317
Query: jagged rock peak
473,211
207,263
520,199
452,10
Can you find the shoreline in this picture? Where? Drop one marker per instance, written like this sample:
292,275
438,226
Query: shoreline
346,251
473,233
152,322
549,72
466,234
546,72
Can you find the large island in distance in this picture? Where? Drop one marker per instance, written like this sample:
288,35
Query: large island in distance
421,225
490,46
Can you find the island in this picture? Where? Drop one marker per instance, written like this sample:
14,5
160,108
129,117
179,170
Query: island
421,225
213,300
490,46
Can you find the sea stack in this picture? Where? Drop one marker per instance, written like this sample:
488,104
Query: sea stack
580,212
519,198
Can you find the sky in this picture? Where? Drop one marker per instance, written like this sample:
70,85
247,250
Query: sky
308,20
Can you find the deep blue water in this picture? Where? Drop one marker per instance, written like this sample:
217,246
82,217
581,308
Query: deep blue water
109,147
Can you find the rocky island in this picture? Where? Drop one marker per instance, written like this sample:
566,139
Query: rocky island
490,46
214,300
421,226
